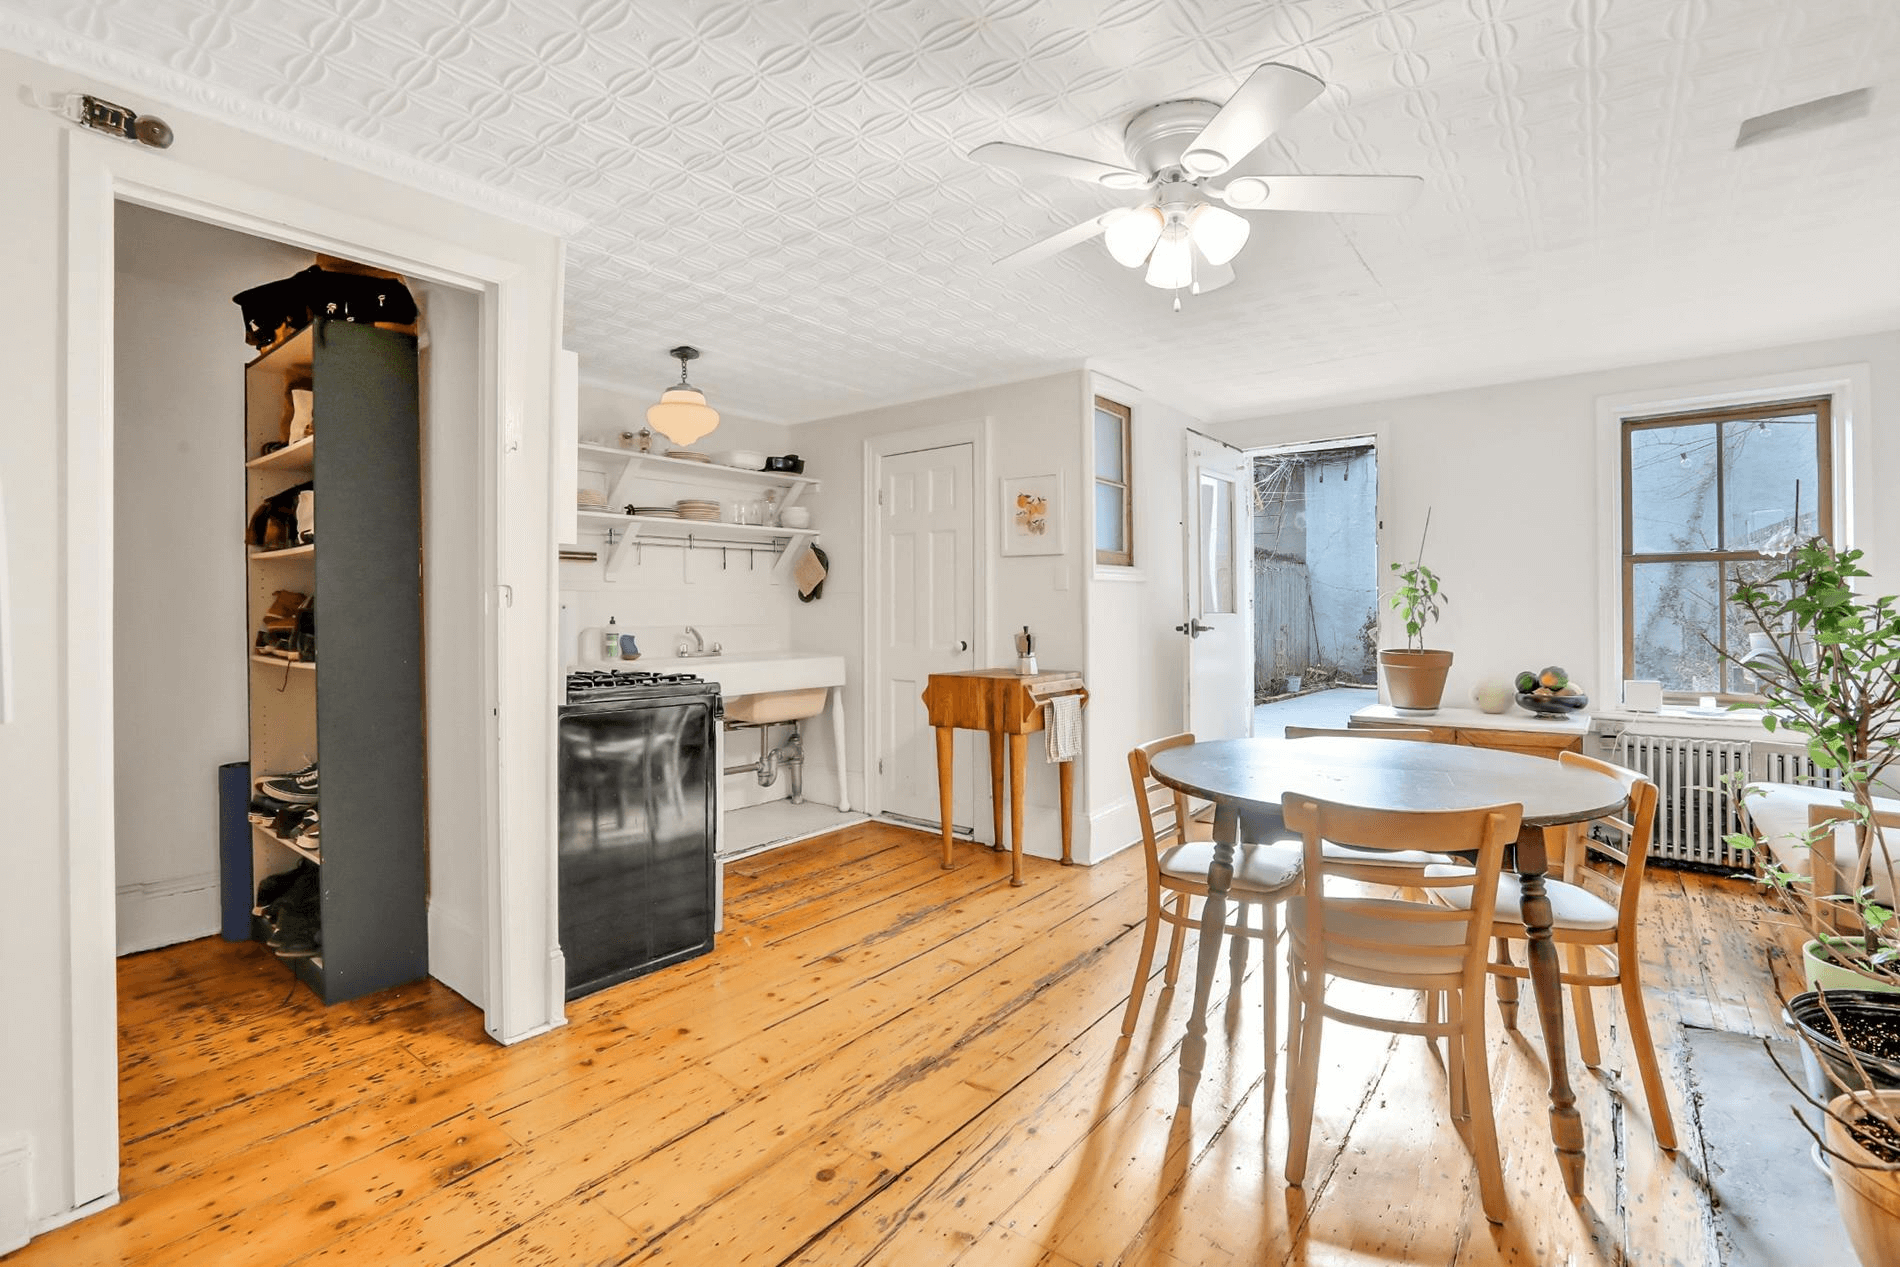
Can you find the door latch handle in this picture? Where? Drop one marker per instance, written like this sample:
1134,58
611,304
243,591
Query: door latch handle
960,645
1193,628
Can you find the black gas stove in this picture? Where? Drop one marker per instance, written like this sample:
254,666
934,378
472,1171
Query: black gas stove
591,685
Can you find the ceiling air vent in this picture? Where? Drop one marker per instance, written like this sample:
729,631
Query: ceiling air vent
1809,116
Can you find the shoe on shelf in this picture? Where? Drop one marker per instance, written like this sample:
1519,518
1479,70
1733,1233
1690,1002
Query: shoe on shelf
298,787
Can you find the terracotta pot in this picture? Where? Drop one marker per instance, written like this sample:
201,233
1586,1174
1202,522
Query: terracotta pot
1868,1200
1415,680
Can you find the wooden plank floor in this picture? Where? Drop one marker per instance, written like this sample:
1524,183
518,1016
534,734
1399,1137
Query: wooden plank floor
886,1063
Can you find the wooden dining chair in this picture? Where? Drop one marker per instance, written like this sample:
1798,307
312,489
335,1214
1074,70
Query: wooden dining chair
1399,943
1178,854
1592,907
1397,867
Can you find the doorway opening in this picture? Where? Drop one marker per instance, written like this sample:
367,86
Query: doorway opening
218,452
1316,577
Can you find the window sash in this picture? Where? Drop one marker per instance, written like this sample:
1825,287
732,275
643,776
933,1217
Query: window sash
1125,487
1821,408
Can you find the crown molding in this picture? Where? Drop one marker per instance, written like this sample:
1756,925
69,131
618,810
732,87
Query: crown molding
42,42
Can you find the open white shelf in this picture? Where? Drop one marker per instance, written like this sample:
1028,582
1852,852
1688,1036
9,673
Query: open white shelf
293,457
289,552
654,466
295,846
695,533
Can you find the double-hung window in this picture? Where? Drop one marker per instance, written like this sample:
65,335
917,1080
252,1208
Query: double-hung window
1114,484
1708,498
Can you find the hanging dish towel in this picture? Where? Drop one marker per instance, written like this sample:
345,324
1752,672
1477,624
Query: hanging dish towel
1062,720
809,571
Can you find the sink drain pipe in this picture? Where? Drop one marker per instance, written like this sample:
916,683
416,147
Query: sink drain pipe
790,755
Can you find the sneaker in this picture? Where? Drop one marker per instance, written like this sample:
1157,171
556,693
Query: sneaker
299,787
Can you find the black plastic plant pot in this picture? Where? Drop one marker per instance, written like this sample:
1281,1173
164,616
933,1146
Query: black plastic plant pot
1860,1012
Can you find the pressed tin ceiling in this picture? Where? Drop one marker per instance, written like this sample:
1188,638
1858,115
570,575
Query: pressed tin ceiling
784,183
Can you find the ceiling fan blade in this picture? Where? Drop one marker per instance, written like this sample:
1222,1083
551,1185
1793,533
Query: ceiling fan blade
1358,194
1034,162
1055,244
1210,276
1259,108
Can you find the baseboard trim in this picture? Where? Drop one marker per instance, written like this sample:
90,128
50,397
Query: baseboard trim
165,912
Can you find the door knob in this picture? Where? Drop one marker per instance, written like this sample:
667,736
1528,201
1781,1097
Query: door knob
1193,628
960,645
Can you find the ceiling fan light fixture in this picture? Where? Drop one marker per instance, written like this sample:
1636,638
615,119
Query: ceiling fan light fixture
1171,267
1130,238
1205,162
1218,232
683,415
1247,191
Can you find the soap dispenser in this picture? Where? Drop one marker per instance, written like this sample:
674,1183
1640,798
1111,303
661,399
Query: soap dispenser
610,641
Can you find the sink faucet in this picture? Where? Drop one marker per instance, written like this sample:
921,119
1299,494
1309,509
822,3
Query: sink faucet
698,647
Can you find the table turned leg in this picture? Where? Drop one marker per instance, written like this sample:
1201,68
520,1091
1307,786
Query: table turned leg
946,782
1220,878
1566,1124
997,743
1506,986
1065,782
1018,746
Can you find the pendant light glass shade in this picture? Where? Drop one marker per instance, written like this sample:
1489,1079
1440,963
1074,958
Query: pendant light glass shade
1129,238
683,415
1171,267
1219,233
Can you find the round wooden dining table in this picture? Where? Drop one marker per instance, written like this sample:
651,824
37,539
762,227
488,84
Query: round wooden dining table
1247,779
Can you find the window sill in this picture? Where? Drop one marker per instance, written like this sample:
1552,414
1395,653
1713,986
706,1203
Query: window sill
1741,720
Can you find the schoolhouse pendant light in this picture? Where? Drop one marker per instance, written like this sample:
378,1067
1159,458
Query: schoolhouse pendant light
683,415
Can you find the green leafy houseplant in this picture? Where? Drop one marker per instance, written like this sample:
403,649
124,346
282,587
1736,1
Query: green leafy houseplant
1415,677
1826,669
1825,660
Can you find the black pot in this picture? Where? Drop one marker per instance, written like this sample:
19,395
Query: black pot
1821,1053
790,464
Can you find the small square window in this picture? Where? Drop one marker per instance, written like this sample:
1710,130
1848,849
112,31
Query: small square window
1114,487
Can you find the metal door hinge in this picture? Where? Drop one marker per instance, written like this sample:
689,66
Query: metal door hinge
880,765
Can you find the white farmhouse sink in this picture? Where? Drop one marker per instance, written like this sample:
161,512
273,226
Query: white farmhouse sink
755,673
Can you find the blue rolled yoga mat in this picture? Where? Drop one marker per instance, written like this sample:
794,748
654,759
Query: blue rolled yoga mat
235,896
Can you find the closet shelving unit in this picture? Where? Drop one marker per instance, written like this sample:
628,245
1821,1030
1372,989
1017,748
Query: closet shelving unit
627,469
357,709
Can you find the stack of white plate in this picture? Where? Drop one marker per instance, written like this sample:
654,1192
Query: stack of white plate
693,508
654,512
590,499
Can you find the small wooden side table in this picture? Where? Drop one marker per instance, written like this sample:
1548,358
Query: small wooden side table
1008,705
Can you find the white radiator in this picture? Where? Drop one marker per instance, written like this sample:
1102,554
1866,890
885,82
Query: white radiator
1694,806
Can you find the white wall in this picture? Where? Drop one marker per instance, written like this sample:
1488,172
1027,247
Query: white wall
1035,428
1137,663
1511,476
732,597
180,647
40,977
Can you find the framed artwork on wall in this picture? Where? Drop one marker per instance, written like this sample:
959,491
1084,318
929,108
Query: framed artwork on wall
1033,515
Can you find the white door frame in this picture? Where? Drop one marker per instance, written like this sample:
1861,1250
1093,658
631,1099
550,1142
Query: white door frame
976,434
100,172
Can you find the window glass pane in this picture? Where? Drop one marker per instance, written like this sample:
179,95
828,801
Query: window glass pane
1675,623
1108,447
1108,519
1764,460
1217,544
1740,681
1672,489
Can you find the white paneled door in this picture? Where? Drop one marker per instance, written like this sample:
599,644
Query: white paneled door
1219,606
925,597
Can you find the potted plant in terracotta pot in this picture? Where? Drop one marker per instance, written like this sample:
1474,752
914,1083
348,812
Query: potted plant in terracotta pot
1825,660
1415,675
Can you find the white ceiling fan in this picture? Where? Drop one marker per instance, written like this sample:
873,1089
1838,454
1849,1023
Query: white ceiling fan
1185,152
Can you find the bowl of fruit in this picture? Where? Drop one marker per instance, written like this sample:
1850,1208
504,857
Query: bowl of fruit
1549,693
